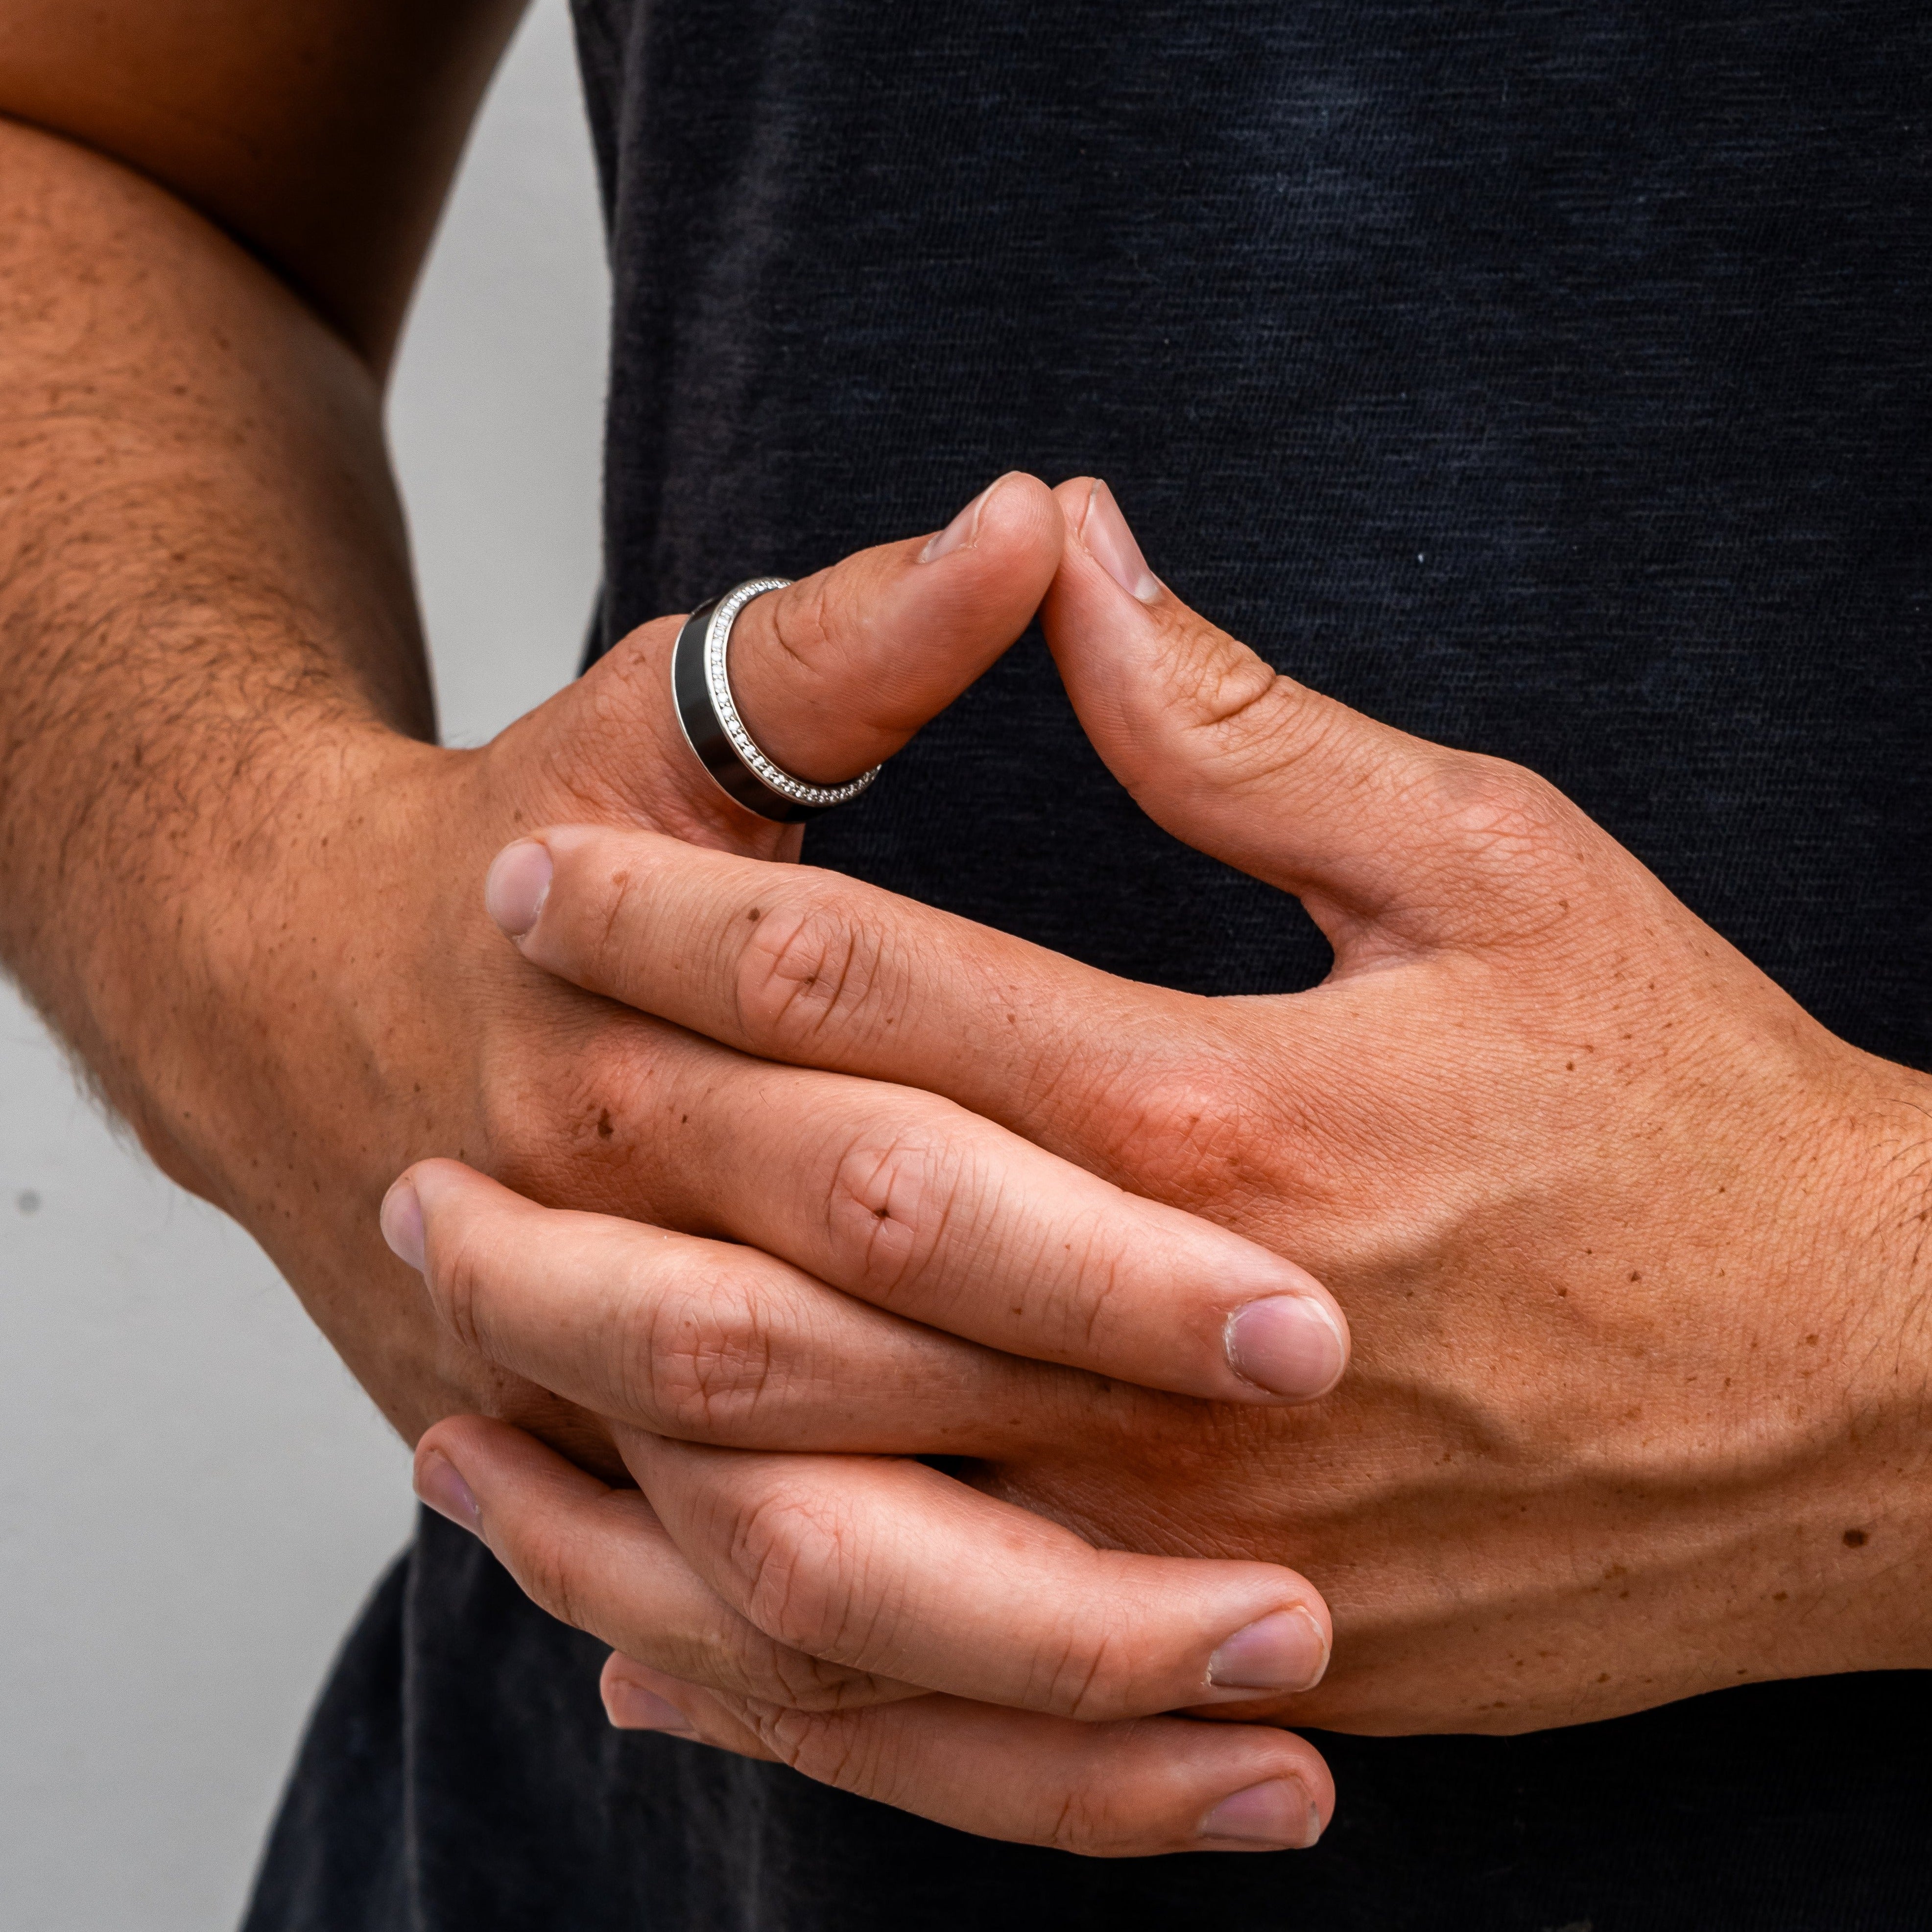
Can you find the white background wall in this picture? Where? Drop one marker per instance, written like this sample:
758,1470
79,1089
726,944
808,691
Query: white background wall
194,1497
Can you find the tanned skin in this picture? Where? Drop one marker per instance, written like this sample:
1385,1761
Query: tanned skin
242,881
236,875
211,219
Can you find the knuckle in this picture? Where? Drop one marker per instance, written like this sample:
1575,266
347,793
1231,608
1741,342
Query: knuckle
699,1362
513,1104
1088,1673
1092,1808
620,690
838,1749
1248,722
802,623
576,1100
1090,1816
794,1682
897,1189
630,669
799,1553
807,972
618,704
1083,1820
1189,1137
1213,680
1286,730
1490,810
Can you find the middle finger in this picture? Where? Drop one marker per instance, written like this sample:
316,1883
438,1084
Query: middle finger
911,1202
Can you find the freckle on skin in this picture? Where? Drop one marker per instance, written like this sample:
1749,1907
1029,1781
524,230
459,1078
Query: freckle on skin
1855,1539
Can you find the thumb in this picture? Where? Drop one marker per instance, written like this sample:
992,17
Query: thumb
831,675
1388,839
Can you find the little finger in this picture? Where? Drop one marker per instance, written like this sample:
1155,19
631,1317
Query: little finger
1127,1789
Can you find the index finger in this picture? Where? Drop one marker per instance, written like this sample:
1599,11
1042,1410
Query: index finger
815,969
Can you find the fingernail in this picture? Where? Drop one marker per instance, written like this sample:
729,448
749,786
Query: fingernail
518,883
1284,1651
439,1485
1279,1813
963,529
402,1222
1108,540
1289,1344
631,1707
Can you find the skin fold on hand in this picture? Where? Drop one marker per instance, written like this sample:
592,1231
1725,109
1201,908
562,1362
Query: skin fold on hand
1632,1249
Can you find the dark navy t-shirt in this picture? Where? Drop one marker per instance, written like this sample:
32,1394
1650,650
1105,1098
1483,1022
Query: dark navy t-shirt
1550,380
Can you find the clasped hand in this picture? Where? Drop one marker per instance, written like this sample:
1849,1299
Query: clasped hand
1629,1246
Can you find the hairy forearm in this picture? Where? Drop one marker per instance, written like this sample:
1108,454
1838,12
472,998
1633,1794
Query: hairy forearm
205,590
235,872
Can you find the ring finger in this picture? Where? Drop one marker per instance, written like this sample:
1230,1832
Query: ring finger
710,1341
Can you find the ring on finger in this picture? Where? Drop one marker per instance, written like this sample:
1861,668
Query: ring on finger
701,687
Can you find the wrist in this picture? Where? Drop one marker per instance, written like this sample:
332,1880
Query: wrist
243,976
1869,1532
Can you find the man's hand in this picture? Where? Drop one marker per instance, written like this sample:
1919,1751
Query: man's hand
242,886
1634,1250
336,1000
235,877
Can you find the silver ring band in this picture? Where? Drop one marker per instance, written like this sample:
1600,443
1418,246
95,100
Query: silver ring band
700,683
